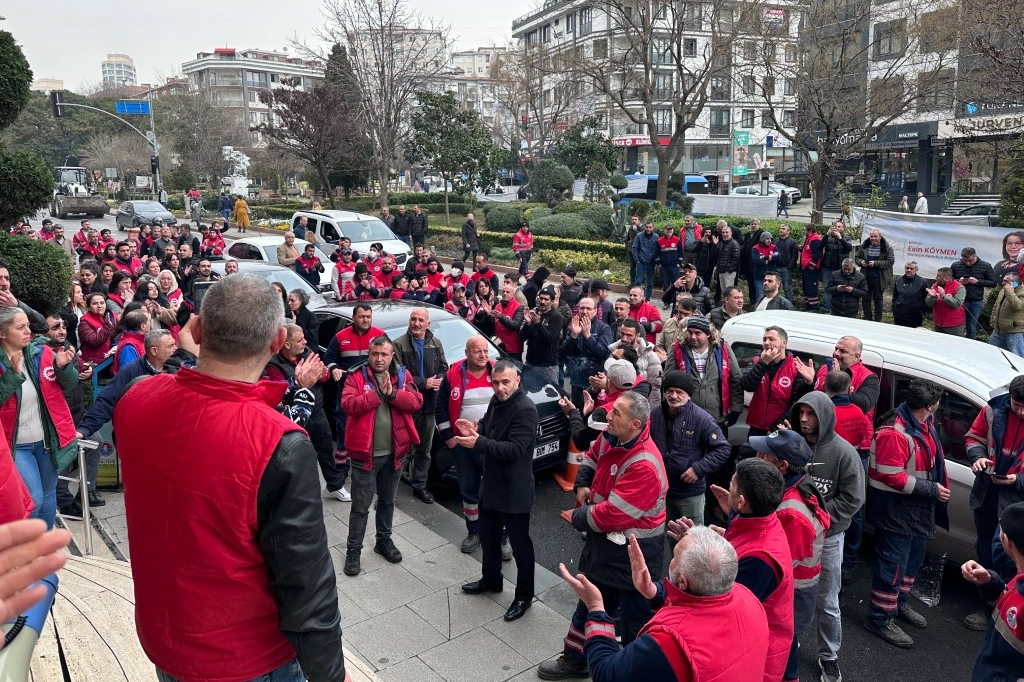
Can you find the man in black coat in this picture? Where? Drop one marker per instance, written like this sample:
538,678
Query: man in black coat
402,224
470,238
418,226
506,436
908,294
847,287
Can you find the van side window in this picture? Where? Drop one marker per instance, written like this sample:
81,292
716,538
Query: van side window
953,420
746,352
330,233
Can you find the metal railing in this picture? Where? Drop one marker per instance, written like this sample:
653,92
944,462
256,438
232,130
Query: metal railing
83,492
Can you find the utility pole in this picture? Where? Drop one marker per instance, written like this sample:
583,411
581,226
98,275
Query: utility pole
153,143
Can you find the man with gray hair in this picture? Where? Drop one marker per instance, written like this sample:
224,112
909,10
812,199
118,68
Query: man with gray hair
621,488
704,610
246,462
847,288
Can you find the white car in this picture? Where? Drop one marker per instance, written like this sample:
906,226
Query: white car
794,194
774,189
362,229
265,249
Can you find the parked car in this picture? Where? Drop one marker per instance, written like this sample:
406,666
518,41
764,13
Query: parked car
264,248
752,191
971,373
989,208
794,194
453,332
134,213
287,277
362,229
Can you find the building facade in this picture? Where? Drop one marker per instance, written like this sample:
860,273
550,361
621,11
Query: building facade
47,84
731,137
233,78
118,70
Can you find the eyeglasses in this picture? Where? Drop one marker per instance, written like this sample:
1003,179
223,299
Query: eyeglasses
57,325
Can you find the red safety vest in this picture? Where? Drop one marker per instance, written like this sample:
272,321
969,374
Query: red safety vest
805,524
509,337
772,396
944,315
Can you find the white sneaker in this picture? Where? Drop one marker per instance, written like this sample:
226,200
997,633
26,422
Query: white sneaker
340,495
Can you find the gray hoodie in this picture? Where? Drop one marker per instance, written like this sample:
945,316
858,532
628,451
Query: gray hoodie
836,469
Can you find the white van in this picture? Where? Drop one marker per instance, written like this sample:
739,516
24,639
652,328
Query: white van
970,372
330,226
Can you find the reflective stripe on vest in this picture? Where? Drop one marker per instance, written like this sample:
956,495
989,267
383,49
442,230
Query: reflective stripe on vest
910,467
625,507
813,561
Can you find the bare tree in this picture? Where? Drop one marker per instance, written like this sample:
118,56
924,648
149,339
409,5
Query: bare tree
197,130
857,67
127,152
394,50
660,67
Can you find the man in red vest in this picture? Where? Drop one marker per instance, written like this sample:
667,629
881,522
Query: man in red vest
765,560
946,299
249,601
709,627
777,378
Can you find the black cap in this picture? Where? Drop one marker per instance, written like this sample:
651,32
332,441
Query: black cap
548,291
596,284
786,445
361,268
569,270
677,379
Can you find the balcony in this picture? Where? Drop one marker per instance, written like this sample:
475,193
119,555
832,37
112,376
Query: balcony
224,81
718,130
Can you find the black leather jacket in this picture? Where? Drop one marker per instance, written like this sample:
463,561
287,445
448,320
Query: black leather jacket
293,541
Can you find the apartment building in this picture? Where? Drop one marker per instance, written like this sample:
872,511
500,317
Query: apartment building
117,70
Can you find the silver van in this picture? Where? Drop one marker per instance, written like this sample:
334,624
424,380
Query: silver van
971,373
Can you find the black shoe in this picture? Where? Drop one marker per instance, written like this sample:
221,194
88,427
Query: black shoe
563,668
386,548
517,610
352,566
479,587
71,509
95,500
423,495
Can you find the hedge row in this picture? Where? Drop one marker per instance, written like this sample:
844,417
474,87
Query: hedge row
286,211
490,240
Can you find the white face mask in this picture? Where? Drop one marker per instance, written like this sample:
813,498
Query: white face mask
373,253
456,272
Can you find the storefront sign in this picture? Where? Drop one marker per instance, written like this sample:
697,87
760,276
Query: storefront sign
902,136
638,140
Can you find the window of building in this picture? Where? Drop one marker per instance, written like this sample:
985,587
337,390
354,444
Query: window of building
531,38
886,94
692,16
663,120
789,118
769,86
720,122
936,30
890,39
256,79
546,33
766,119
750,51
586,21
749,85
935,90
789,86
790,54
719,89
662,86
601,49
570,22
747,118
689,47
661,51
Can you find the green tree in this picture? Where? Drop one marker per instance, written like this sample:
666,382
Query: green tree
450,140
180,179
549,181
26,258
25,182
582,148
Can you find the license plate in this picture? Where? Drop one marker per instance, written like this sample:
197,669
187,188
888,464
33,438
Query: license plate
545,449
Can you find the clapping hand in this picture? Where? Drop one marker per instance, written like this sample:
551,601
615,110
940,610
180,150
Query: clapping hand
575,326
588,403
641,574
679,527
64,356
722,495
308,371
584,589
27,553
467,433
804,369
585,324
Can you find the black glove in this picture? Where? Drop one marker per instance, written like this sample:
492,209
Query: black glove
732,418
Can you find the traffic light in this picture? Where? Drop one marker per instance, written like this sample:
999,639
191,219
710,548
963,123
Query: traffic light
526,120
56,100
154,164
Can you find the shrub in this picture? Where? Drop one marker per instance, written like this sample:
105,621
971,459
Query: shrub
537,212
572,207
490,240
549,181
502,253
26,184
639,208
396,199
557,260
684,203
26,259
504,218
566,226
618,181
601,217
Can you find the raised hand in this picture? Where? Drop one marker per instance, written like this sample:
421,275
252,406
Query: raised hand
641,575
722,495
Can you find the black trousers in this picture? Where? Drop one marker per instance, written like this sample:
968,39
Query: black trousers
908,319
518,526
320,434
874,297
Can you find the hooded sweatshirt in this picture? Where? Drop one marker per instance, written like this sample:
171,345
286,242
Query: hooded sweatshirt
836,469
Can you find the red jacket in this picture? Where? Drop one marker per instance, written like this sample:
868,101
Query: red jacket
645,312
853,426
213,245
360,400
764,538
522,241
858,373
188,573
15,500
771,399
133,339
945,315
132,268
94,336
510,338
805,523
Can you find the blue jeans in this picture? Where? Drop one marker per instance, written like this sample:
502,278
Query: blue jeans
1013,342
897,561
645,270
810,279
973,309
855,533
829,617
804,601
289,672
39,473
524,262
669,274
787,282
826,275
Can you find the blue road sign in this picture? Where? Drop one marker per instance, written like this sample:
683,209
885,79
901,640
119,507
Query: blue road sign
131,107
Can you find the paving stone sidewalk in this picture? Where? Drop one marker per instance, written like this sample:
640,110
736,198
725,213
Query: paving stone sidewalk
411,622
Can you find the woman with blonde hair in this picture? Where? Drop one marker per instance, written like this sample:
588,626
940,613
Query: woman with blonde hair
168,285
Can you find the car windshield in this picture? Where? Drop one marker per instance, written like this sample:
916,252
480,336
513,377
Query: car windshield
270,253
148,206
366,231
69,176
288,279
452,332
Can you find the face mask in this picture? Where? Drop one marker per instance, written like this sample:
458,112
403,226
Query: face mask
373,254
456,272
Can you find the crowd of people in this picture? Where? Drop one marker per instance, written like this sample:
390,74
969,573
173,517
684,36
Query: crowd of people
761,544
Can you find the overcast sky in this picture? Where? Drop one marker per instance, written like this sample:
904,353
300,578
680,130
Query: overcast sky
68,39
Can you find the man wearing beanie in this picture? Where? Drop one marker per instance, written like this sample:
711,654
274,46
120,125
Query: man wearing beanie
457,275
713,369
691,443
803,517
1002,652
569,291
534,285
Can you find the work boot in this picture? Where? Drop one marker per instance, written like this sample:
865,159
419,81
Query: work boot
386,548
977,621
72,508
506,551
470,544
890,632
352,566
95,500
911,617
563,668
